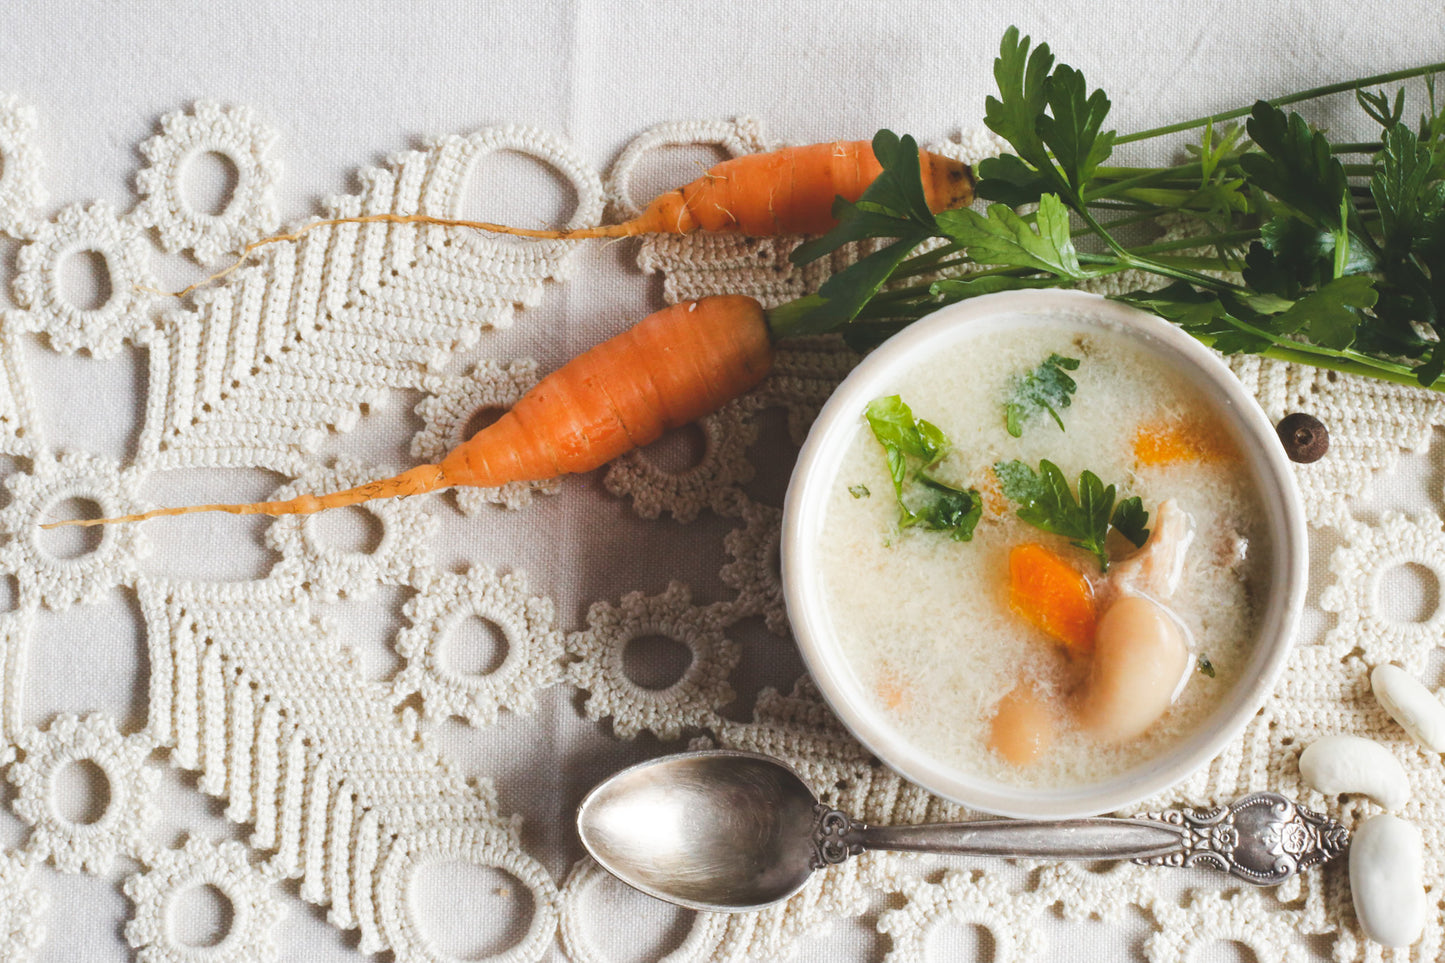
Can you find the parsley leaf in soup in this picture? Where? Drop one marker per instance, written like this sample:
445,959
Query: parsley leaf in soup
1047,503
914,447
1047,388
1132,521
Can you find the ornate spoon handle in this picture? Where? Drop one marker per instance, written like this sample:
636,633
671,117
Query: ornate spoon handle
1263,838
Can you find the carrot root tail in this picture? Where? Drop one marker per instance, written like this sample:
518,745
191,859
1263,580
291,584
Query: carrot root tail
417,481
625,229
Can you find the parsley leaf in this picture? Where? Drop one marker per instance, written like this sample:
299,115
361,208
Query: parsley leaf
1047,388
1050,119
1205,666
1022,78
1406,189
1329,315
1046,502
1073,133
1004,238
1295,164
913,447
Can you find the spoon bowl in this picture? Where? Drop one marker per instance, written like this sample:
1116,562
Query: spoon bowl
708,830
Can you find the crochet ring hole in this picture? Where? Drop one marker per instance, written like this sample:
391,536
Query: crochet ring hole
496,907
71,542
81,792
1225,951
678,451
655,662
475,646
481,418
955,941
353,529
201,916
1408,593
209,181
85,280
513,188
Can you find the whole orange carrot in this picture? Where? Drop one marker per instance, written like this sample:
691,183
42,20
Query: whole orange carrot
788,191
669,369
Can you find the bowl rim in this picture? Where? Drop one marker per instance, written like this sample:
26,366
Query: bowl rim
806,498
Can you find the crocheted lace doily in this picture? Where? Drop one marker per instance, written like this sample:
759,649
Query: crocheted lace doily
332,765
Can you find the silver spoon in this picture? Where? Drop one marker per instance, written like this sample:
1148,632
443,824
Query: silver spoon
727,831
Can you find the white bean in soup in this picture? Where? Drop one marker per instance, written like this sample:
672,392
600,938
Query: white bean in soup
951,659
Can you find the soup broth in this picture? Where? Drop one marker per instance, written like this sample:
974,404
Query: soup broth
926,622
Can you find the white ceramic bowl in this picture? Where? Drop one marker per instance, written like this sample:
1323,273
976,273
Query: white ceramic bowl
820,460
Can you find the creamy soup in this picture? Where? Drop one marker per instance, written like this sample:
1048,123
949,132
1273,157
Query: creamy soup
932,627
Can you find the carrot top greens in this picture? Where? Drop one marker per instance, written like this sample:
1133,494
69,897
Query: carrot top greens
1294,254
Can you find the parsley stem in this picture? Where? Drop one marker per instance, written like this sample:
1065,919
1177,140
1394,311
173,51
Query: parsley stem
1340,359
1310,94
1361,365
1146,178
1131,259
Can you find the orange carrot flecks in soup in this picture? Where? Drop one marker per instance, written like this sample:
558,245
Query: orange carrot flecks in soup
1174,440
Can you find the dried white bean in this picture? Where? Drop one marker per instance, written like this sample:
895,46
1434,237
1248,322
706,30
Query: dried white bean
1350,764
1387,879
1410,704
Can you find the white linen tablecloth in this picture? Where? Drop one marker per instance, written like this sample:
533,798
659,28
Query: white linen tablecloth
348,84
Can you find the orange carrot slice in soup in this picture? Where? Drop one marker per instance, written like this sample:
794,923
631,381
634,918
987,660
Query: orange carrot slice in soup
1050,593
1170,441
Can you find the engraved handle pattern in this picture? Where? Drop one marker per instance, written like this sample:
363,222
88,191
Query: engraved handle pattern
1263,838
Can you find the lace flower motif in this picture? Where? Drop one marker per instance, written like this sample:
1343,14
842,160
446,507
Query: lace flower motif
334,572
20,188
452,404
1367,557
755,571
1243,916
62,582
527,622
255,905
481,845
968,898
250,211
48,306
691,700
21,907
88,847
724,464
